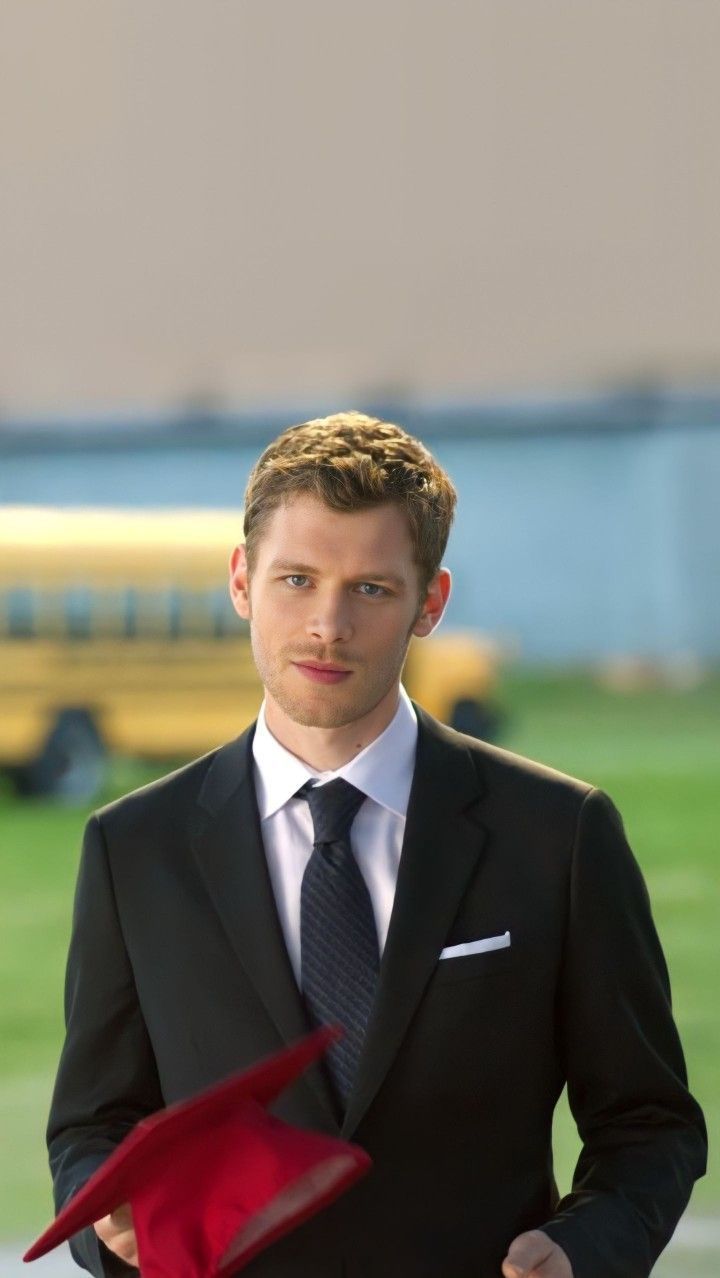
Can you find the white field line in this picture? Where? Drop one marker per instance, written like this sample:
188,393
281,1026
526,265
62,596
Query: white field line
697,1233
58,1264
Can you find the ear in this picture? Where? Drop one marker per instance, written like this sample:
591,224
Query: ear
438,593
239,583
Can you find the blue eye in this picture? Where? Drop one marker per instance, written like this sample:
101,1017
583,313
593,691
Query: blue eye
297,580
368,586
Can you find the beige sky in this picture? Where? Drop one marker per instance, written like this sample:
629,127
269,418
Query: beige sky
263,200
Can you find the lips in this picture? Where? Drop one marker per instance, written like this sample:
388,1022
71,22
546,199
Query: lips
322,674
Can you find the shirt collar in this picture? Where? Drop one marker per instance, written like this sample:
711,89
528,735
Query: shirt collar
383,770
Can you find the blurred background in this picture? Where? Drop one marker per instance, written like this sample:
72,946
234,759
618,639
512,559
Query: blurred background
492,221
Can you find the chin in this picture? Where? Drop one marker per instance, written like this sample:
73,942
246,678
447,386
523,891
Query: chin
320,716
321,711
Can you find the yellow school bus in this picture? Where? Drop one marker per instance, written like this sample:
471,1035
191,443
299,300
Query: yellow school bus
117,636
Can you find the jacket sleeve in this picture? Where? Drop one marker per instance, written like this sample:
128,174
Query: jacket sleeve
107,1078
643,1135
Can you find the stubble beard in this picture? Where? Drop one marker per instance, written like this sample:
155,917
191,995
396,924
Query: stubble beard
333,706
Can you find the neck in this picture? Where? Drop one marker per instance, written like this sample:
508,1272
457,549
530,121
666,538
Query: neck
327,749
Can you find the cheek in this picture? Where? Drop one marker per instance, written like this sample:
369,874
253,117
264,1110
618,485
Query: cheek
387,634
276,620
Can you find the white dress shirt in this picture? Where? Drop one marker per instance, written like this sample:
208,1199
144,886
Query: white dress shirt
383,771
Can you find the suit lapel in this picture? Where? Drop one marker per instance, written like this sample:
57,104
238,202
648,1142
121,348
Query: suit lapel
441,851
230,854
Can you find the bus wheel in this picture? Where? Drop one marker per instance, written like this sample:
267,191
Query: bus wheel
476,719
72,766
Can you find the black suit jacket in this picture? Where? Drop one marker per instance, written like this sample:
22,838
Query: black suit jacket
178,975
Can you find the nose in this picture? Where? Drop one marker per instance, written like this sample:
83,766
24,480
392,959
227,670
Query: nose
330,620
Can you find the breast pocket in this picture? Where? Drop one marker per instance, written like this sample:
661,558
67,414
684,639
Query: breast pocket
469,967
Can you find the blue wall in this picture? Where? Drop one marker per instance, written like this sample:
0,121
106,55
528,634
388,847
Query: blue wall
585,529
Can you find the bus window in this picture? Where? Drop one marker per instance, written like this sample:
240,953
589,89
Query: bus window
20,612
130,613
225,621
174,614
196,613
108,614
78,612
153,608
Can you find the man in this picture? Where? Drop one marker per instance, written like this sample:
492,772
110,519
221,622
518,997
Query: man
474,920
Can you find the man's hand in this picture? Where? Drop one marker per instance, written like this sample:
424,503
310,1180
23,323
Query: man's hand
534,1255
116,1231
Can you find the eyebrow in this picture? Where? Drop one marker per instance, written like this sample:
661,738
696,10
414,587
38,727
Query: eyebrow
307,570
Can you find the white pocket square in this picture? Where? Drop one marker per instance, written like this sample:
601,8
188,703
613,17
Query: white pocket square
476,947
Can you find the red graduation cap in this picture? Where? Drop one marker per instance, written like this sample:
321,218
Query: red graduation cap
214,1179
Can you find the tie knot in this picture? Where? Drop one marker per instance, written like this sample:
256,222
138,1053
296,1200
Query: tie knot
333,807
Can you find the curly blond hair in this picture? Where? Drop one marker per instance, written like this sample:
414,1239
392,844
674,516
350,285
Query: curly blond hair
351,462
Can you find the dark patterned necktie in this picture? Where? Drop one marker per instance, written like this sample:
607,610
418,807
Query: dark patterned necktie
339,956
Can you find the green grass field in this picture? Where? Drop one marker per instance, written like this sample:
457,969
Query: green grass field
656,752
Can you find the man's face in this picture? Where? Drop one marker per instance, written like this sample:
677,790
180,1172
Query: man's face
332,602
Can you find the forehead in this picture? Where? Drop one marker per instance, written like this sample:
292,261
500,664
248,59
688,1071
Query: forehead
305,527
